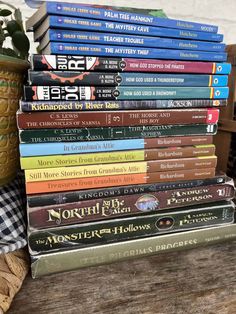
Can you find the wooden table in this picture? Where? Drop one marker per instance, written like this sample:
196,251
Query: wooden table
195,281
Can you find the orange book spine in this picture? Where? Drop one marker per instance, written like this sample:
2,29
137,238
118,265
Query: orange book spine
117,180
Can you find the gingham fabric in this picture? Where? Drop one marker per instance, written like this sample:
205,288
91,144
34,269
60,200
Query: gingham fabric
13,215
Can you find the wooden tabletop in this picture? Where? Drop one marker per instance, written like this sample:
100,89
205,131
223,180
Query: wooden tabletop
201,280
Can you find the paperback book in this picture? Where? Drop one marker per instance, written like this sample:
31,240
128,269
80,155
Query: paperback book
66,148
116,157
78,37
83,24
80,93
97,170
58,105
127,205
51,199
197,131
117,180
114,13
123,79
132,52
111,64
94,233
51,263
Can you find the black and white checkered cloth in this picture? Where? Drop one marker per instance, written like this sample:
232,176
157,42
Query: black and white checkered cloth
13,215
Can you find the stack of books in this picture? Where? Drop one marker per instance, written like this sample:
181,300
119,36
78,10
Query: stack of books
117,151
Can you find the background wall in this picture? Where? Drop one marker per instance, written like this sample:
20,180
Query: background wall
218,12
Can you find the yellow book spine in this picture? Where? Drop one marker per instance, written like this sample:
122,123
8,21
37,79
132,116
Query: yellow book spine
37,175
40,162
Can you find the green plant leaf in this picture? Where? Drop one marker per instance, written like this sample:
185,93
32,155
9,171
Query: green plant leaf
5,12
18,18
13,26
21,42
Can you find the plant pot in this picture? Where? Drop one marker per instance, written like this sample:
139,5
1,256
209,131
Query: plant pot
12,71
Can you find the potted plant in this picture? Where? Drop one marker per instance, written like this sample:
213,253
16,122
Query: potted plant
13,65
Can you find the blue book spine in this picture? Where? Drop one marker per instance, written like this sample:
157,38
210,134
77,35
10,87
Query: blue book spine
112,14
134,52
27,150
123,79
123,28
129,40
78,93
223,68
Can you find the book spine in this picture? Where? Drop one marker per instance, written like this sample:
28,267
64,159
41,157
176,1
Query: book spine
80,93
118,133
118,180
118,105
116,157
85,63
115,118
53,239
39,149
123,206
56,262
128,40
132,52
97,170
81,24
51,78
114,14
84,195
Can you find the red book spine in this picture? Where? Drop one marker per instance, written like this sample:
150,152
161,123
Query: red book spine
49,120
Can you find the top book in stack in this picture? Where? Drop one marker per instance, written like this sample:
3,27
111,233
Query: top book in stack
77,29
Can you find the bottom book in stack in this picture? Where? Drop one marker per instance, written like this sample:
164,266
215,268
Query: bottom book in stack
112,224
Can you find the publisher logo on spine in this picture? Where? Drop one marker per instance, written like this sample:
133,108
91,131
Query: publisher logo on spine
61,47
122,64
116,93
118,79
165,223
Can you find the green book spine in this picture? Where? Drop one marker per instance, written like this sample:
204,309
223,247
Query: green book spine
106,133
47,264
